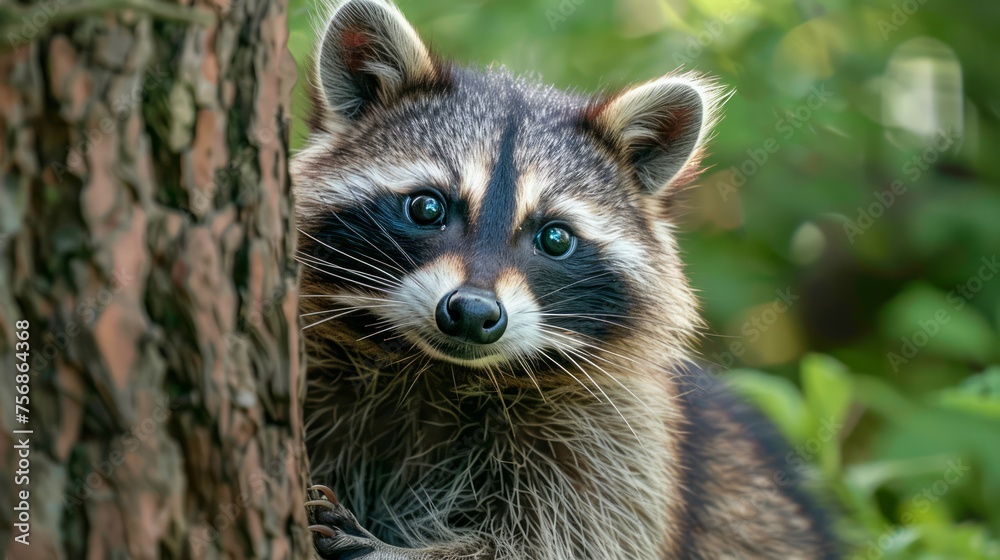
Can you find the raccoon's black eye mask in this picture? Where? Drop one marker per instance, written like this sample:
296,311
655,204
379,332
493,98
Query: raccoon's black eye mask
427,208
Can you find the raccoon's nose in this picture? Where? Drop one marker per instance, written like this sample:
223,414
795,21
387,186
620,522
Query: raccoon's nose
472,315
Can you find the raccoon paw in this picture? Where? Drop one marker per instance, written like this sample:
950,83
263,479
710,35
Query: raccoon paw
337,534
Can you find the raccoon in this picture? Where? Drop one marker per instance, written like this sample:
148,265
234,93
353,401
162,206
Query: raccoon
498,325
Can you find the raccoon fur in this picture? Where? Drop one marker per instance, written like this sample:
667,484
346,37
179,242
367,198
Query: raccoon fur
499,327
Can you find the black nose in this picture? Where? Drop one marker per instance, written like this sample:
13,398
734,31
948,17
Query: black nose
472,315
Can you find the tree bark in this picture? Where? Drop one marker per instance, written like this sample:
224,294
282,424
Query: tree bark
146,258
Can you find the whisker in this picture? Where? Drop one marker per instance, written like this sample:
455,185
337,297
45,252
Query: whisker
350,256
600,320
387,329
387,236
541,314
365,237
605,360
384,232
337,276
575,378
598,348
525,367
556,304
583,356
321,321
575,283
385,281
350,296
611,402
356,308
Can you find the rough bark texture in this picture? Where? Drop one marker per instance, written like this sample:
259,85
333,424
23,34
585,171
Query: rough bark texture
146,235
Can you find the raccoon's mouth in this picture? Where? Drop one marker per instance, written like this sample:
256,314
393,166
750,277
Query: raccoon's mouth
461,353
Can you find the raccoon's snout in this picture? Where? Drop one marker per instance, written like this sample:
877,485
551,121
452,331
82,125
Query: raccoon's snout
472,315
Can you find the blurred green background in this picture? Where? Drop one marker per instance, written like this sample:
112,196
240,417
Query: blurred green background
845,238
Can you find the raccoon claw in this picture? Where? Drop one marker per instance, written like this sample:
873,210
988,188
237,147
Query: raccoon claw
330,495
336,532
321,503
322,530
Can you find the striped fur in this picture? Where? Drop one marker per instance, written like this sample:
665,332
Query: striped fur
578,434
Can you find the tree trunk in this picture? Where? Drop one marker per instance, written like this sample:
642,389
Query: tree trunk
146,258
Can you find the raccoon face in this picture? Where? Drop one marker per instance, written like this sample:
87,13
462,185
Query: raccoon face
480,219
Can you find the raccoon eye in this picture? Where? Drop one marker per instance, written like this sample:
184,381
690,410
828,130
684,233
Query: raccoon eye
426,209
555,241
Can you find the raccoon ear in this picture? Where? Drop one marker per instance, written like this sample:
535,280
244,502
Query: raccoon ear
658,126
369,55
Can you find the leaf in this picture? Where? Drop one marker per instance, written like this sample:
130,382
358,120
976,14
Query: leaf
979,395
923,318
828,392
827,387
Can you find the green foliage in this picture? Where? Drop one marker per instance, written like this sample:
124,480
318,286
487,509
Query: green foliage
855,172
